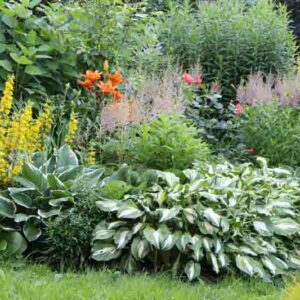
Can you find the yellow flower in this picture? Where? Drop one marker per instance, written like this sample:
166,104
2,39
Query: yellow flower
72,129
91,156
6,100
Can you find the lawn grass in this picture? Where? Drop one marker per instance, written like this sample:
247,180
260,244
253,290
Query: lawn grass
39,283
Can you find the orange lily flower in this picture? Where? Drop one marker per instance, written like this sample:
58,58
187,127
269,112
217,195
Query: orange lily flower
92,75
106,87
116,77
117,95
87,83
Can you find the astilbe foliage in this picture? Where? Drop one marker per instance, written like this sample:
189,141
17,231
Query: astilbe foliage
223,217
20,133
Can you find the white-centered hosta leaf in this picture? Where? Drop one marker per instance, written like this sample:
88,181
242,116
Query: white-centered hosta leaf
244,264
108,205
190,214
171,179
192,270
104,252
129,210
262,228
103,234
214,263
168,243
212,217
269,265
285,227
122,237
140,248
168,214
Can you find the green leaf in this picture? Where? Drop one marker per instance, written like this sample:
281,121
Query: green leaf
152,236
33,70
45,214
22,199
170,178
55,183
16,244
104,252
7,208
168,214
31,229
3,245
244,264
6,64
192,270
128,210
108,205
140,248
102,233
262,228
10,21
34,3
122,237
214,263
285,227
66,158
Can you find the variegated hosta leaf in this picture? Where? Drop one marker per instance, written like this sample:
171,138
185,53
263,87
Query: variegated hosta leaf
182,241
129,210
157,237
262,228
214,263
168,214
137,227
190,214
191,174
104,251
101,232
269,265
192,270
116,224
244,263
285,227
7,208
170,178
108,205
212,217
21,199
168,243
140,248
31,229
122,237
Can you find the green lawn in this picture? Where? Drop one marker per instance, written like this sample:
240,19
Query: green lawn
39,283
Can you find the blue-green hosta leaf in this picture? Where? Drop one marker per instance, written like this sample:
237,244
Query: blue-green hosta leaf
45,214
19,218
247,250
7,208
217,245
269,265
206,244
190,214
244,263
108,205
224,225
71,173
262,228
16,244
195,185
212,217
92,178
278,262
168,214
122,237
66,158
116,224
129,210
140,248
192,270
104,252
285,227
152,236
22,199
31,229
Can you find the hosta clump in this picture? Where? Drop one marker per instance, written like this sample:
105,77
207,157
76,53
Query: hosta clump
223,216
48,189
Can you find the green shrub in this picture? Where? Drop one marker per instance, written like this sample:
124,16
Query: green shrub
167,142
231,40
222,218
273,131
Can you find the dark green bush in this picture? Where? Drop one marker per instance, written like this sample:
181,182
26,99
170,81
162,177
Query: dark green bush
231,40
273,131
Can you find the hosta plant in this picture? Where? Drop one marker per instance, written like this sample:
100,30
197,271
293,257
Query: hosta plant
218,218
47,189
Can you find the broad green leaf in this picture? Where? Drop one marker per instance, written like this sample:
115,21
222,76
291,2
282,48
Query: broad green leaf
212,217
21,217
244,264
7,208
122,237
34,3
34,176
170,178
262,228
6,64
140,248
49,213
22,199
168,243
66,158
192,270
116,224
152,236
33,70
190,215
102,233
182,241
269,265
16,244
55,183
59,201
104,252
31,229
3,245
11,22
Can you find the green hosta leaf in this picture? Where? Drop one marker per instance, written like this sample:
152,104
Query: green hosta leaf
102,233
104,252
66,158
285,227
22,217
31,229
16,244
190,215
279,263
49,213
182,241
262,228
71,173
136,228
108,205
152,236
212,217
11,22
190,174
59,201
210,196
170,178
294,262
168,214
55,183
129,264
3,245
116,224
22,199
244,264
122,237
7,208
6,64
129,210
269,265
34,3
168,243
192,270
247,250
140,248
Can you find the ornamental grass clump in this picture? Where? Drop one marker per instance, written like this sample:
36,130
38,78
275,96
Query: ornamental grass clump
20,133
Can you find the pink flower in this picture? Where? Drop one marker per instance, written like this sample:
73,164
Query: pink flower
188,78
197,79
239,110
251,150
